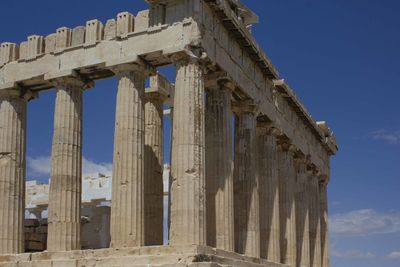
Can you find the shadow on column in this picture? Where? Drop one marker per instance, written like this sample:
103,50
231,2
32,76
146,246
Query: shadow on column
153,198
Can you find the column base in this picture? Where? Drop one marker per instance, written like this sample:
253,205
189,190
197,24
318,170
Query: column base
160,256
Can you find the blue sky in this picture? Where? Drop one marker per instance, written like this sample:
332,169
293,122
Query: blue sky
341,58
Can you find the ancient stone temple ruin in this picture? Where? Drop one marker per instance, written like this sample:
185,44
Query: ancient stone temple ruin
257,197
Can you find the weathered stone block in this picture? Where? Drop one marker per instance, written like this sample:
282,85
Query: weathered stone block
41,229
23,50
50,43
35,246
28,230
110,30
35,237
157,15
65,263
43,264
125,23
8,52
142,21
94,31
35,46
31,223
78,36
63,39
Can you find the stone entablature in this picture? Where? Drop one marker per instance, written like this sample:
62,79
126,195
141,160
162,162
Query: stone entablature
220,71
75,50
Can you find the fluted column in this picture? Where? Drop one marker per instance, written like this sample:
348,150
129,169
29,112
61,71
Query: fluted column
12,171
302,213
219,172
287,183
269,192
246,200
188,212
324,223
66,168
127,208
153,160
315,221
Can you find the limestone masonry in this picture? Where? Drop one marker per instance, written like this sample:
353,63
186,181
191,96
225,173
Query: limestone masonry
254,198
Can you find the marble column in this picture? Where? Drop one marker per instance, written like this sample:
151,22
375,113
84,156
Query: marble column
188,203
315,222
153,160
287,183
324,223
171,115
12,171
219,172
268,192
302,213
127,208
64,209
246,200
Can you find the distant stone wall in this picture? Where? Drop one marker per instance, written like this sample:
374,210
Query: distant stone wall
35,235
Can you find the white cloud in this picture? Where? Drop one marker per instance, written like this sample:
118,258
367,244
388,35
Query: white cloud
353,254
41,166
90,167
395,255
387,136
365,222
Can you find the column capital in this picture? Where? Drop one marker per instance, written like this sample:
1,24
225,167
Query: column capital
300,158
246,106
215,80
226,84
285,144
18,93
194,55
323,179
268,128
313,171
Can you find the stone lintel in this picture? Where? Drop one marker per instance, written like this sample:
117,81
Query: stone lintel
319,128
157,2
130,64
70,77
6,86
159,85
